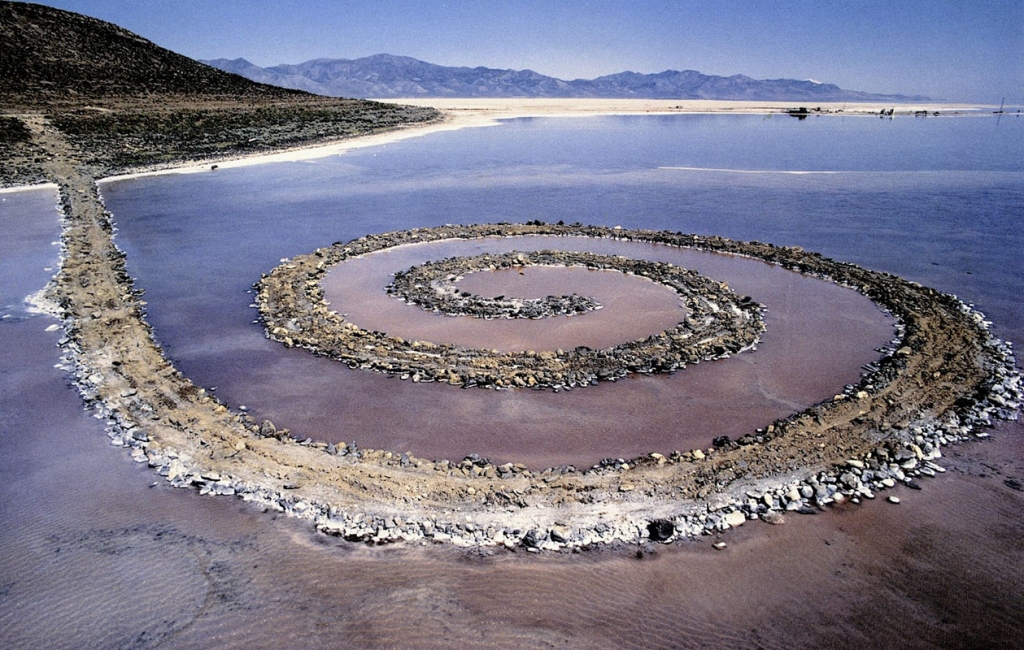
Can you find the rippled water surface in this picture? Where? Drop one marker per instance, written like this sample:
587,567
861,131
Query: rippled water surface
93,556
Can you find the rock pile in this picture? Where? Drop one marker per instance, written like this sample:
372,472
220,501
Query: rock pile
943,379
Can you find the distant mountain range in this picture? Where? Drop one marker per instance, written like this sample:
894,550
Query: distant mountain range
386,76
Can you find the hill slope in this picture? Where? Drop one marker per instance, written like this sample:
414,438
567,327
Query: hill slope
51,55
126,103
384,75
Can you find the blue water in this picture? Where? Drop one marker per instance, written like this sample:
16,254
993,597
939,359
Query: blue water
749,142
937,200
29,250
94,557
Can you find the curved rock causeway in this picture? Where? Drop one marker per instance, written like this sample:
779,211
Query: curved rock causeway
942,381
433,286
294,311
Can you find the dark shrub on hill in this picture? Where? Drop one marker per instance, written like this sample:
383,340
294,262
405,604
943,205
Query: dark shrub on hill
13,131
119,140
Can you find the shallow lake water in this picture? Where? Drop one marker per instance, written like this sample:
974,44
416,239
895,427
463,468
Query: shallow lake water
630,307
96,555
819,335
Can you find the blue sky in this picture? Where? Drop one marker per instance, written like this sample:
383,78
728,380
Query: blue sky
958,50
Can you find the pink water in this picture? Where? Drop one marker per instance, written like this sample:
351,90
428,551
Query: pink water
632,307
818,337
93,557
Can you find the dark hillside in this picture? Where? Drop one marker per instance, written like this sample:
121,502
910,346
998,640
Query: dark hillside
49,55
125,103
121,140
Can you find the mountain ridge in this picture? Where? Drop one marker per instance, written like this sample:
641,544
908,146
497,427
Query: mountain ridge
383,76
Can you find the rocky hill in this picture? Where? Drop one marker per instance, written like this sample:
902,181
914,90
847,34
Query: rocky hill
127,103
49,55
384,75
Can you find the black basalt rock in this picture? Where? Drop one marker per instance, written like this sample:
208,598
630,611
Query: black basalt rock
661,530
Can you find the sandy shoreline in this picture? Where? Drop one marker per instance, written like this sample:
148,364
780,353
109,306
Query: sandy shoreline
473,112
513,107
21,188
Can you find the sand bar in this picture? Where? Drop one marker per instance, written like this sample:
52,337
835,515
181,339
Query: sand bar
19,188
513,107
